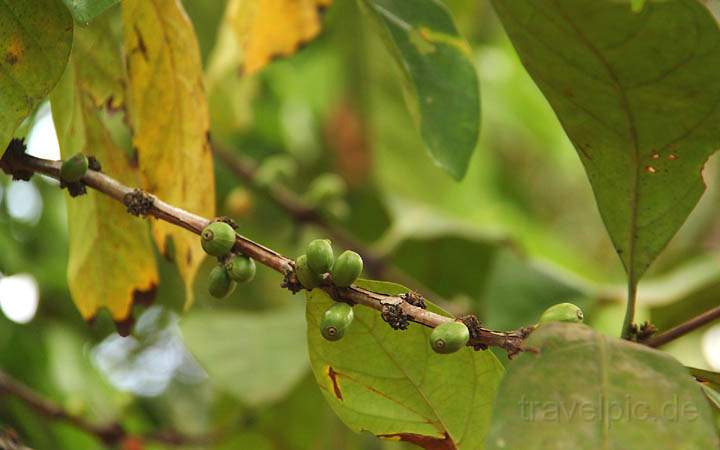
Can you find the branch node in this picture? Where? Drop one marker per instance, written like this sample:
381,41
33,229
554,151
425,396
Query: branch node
291,283
227,220
641,333
11,160
138,202
94,164
474,326
75,189
394,316
414,298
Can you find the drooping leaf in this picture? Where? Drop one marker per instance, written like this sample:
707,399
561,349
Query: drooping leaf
584,390
84,11
712,394
169,117
393,385
265,29
111,259
257,357
441,84
637,94
35,42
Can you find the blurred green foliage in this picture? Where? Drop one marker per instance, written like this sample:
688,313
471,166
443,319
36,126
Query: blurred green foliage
519,233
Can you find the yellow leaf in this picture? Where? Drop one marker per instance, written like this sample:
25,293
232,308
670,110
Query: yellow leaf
169,117
111,258
271,28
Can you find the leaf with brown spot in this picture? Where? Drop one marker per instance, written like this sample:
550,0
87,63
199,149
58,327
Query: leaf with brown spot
111,261
35,42
169,117
393,385
266,29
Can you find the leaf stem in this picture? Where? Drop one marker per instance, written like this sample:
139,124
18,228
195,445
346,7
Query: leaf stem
630,310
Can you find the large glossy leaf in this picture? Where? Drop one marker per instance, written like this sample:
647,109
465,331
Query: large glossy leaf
35,42
442,86
84,11
393,385
111,259
584,390
638,95
257,357
169,117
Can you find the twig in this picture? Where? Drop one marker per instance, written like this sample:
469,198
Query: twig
110,433
684,328
15,162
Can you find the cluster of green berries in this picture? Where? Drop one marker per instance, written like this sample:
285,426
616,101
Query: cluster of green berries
218,239
319,259
74,168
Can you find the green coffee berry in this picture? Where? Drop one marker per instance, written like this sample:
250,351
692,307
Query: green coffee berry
562,312
324,188
320,256
73,169
220,285
305,275
276,168
240,268
347,268
336,320
449,337
217,239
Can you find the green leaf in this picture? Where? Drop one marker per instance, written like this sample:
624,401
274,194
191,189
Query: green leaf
84,11
440,80
393,385
712,395
584,390
35,42
111,259
643,121
257,357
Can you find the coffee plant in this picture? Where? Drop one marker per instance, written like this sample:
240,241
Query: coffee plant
225,165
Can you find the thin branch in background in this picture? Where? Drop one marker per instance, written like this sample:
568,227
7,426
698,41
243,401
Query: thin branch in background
684,328
19,164
110,433
377,265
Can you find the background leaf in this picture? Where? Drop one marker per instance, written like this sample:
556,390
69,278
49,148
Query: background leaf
266,29
442,87
84,11
35,42
643,125
169,117
257,357
111,259
392,384
584,390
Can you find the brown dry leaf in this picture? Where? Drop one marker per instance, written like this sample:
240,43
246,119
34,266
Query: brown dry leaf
169,117
270,28
111,261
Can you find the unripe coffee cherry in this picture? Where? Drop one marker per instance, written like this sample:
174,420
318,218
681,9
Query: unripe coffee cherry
240,268
220,285
305,275
74,168
325,188
347,268
320,256
449,337
217,239
336,320
562,312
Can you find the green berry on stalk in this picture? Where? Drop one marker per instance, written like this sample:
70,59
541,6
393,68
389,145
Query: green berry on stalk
562,312
240,268
320,256
220,285
449,337
217,239
336,321
73,169
347,268
305,275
